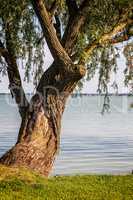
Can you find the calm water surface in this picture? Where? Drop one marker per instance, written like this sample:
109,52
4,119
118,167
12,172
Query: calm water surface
90,142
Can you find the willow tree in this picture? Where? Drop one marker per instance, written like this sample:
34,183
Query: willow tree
73,31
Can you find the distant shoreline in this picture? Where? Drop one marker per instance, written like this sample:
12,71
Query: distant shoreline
84,94
96,94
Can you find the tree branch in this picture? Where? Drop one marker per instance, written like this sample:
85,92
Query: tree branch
85,5
72,7
57,26
15,85
54,45
68,42
74,25
63,65
107,38
53,8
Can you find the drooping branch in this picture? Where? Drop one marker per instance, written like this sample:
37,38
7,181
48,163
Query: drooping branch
107,38
15,84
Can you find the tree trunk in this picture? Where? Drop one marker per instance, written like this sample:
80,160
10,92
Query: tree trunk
39,134
38,141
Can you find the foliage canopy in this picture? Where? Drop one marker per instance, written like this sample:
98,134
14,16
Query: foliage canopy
27,40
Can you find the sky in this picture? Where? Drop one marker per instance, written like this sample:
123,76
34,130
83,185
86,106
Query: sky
89,86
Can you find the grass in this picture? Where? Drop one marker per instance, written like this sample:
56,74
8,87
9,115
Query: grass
22,184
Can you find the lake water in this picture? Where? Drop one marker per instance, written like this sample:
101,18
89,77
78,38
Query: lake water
90,142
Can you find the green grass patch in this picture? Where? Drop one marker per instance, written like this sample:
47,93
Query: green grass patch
22,184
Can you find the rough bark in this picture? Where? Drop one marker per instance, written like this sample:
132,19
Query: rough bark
36,145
